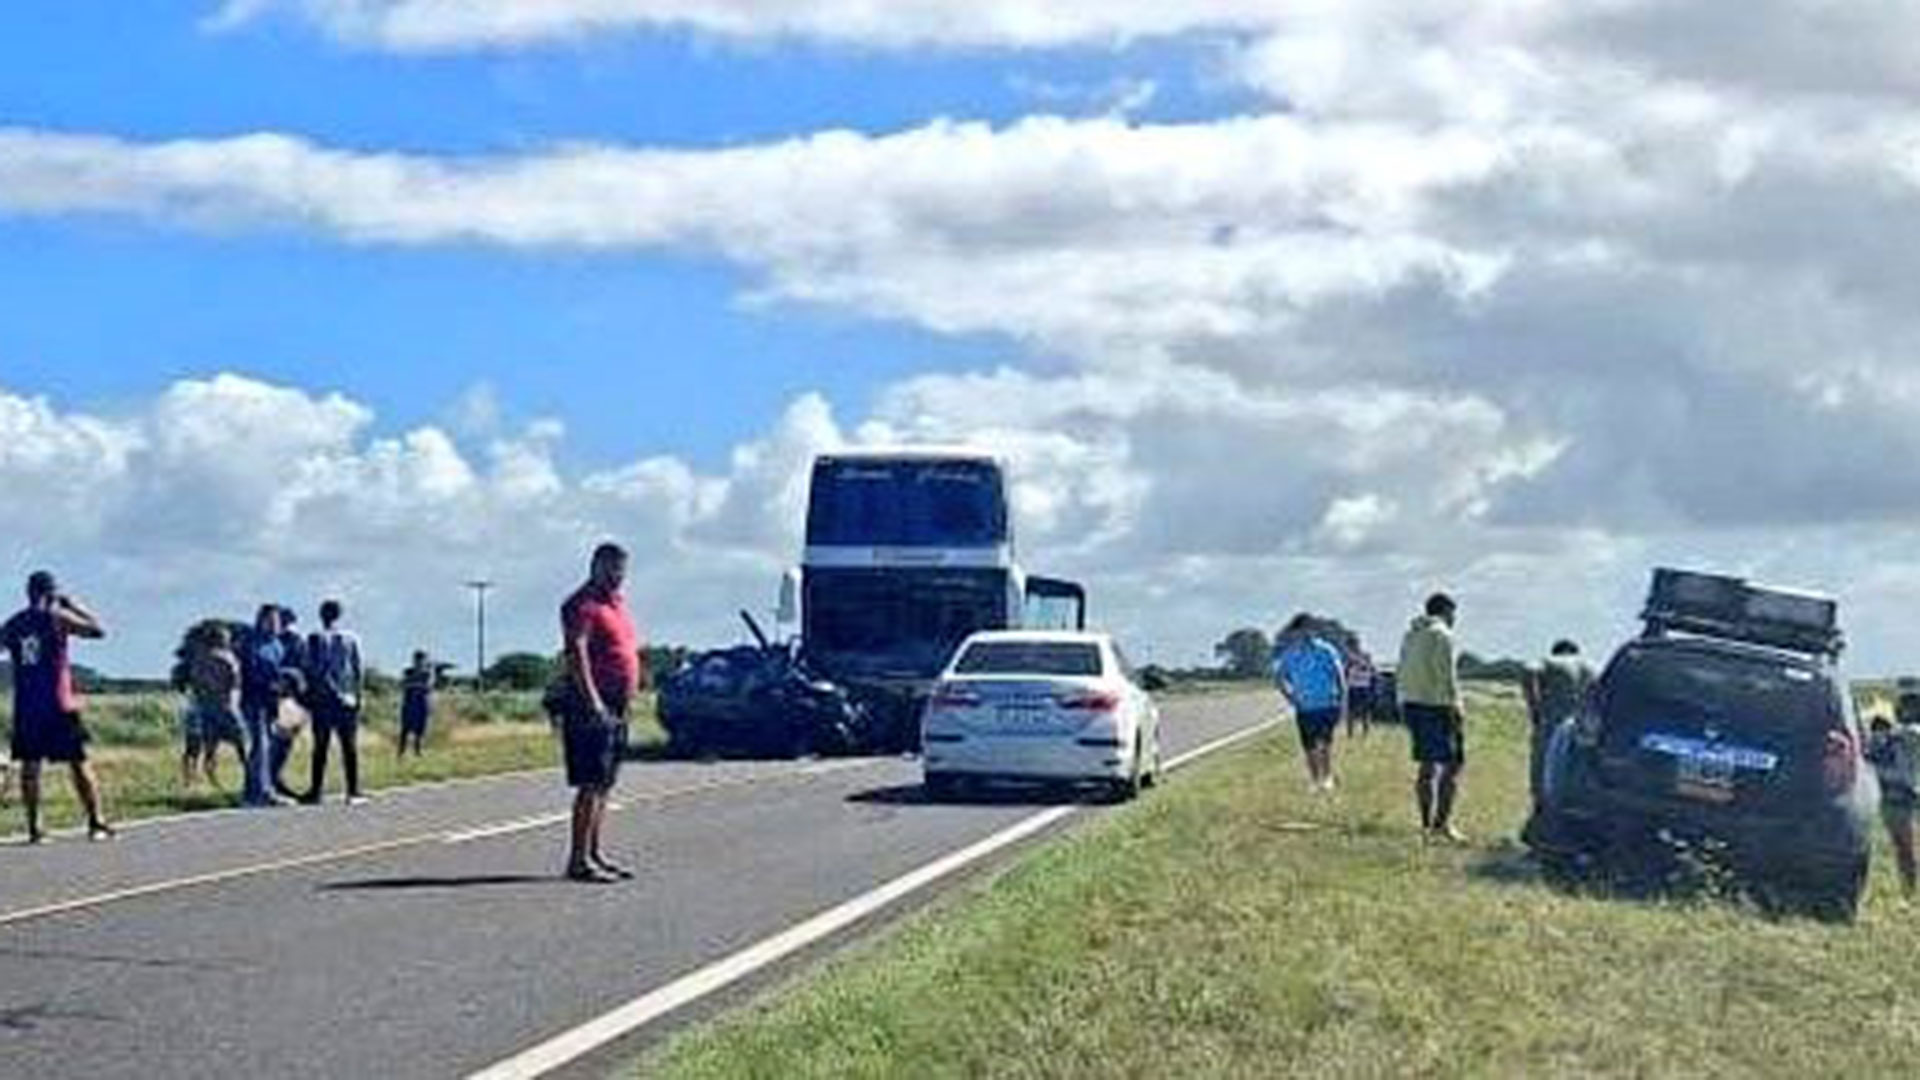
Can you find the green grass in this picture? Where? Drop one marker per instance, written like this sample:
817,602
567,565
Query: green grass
1235,925
137,744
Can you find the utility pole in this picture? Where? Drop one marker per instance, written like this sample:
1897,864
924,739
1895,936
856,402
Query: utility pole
480,589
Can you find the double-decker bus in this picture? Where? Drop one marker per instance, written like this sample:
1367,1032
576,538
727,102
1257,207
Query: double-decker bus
908,551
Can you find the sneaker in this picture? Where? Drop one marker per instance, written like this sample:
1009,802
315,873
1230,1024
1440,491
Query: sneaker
37,837
588,875
606,867
100,831
1450,835
358,800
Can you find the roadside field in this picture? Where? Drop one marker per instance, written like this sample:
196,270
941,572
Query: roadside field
1235,924
137,744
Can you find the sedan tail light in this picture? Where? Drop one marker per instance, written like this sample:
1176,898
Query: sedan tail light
1103,701
956,697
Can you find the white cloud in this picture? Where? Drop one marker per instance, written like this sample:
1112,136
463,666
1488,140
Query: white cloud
436,25
1496,294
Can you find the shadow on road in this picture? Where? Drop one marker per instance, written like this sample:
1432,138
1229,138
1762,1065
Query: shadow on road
977,795
469,881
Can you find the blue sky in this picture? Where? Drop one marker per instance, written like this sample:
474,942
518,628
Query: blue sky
408,331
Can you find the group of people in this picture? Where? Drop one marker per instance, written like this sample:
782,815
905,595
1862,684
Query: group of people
256,688
242,683
1323,686
1317,680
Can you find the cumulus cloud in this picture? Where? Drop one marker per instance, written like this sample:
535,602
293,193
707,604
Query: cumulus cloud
1488,291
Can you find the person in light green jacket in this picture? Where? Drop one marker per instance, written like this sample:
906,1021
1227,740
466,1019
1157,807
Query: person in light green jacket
1429,690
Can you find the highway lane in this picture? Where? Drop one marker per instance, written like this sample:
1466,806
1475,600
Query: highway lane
426,935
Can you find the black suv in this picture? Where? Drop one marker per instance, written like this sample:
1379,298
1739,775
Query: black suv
1727,727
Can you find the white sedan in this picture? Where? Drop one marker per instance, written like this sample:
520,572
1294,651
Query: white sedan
1048,706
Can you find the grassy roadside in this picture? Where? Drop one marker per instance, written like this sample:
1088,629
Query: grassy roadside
1236,925
137,754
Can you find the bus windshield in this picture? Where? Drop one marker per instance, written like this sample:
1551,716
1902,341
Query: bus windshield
907,503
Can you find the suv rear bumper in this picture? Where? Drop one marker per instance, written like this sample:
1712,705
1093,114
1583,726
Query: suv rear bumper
1829,836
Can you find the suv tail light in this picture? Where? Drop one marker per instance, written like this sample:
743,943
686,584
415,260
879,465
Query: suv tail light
956,697
1104,701
1840,762
1586,727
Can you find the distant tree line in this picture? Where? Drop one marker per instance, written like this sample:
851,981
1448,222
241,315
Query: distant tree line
1247,653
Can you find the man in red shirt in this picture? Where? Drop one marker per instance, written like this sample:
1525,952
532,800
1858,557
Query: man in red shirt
604,669
46,710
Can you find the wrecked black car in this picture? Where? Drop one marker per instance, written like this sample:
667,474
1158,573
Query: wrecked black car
1724,731
759,700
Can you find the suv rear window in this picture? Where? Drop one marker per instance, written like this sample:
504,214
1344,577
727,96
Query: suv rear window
1030,658
1669,689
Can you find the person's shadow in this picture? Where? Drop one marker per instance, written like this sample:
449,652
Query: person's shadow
408,884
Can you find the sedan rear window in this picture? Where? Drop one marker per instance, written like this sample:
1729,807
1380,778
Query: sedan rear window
1030,658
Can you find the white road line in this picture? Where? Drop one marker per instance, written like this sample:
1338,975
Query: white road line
382,847
572,1045
174,884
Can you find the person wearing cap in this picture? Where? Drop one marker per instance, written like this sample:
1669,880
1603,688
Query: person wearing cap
1430,700
47,723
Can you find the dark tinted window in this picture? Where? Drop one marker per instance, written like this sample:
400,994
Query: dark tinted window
899,619
907,504
1687,690
1030,658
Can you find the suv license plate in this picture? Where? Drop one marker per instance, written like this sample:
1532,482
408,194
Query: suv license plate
1023,716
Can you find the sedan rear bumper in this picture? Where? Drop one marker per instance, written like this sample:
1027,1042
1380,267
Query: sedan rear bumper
1096,756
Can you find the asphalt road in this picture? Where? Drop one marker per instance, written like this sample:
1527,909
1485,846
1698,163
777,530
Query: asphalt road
427,935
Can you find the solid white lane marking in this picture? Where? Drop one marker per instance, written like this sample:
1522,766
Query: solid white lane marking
1216,745
572,1045
155,888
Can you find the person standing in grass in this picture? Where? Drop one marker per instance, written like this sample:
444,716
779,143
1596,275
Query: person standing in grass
1894,750
1361,681
602,654
1312,677
1555,691
416,704
336,680
213,702
1431,703
47,725
263,656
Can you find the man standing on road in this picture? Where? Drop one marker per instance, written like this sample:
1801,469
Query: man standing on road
46,708
1430,701
335,681
602,651
1555,692
1312,676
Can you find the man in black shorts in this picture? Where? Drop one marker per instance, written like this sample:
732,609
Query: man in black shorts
602,651
46,707
1429,689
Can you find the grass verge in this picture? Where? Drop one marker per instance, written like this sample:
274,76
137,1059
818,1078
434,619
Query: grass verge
1235,925
136,754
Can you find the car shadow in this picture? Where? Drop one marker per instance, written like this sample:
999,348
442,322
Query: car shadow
980,795
408,884
1667,878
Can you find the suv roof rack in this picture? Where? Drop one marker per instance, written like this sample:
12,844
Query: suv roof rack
1734,609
